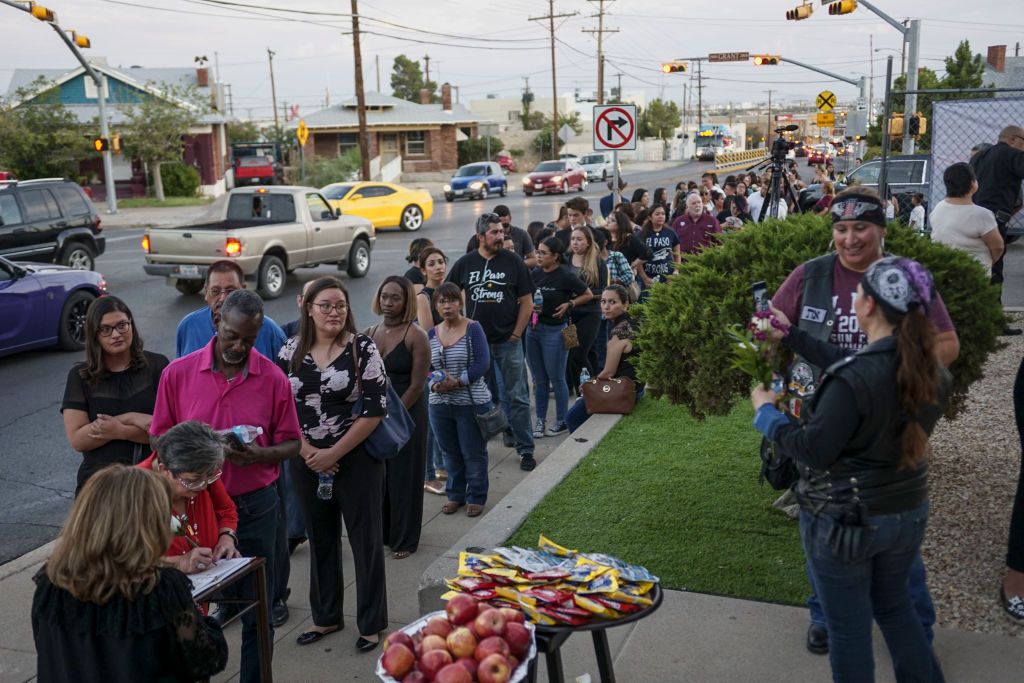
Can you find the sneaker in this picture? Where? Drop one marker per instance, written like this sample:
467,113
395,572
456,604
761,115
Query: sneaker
441,475
527,463
538,429
557,429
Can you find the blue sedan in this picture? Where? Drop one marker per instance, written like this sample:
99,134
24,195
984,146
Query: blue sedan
44,305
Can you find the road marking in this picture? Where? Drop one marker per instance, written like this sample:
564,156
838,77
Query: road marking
124,238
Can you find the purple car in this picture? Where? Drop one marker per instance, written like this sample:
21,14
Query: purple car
44,305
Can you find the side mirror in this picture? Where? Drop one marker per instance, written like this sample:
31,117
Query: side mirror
337,213
326,215
355,197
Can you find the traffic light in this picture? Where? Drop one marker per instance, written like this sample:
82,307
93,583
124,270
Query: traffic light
115,143
766,60
41,13
80,41
896,126
842,7
917,125
802,12
673,67
100,144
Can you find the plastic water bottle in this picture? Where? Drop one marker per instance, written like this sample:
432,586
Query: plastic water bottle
584,377
538,304
246,433
325,486
436,376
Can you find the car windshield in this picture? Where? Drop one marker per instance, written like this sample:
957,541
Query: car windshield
255,161
476,169
593,159
548,167
333,192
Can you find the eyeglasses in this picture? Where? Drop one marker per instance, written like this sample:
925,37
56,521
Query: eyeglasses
326,306
120,328
490,217
202,483
215,292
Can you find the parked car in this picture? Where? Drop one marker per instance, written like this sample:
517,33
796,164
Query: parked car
598,166
49,220
819,154
269,232
476,181
385,205
7,175
507,163
557,175
44,305
906,175
258,170
799,149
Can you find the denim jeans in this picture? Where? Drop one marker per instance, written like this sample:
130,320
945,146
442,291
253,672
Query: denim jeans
435,456
510,361
578,414
292,511
872,585
465,450
546,356
257,535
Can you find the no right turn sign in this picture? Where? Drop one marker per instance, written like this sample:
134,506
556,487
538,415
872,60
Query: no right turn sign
615,127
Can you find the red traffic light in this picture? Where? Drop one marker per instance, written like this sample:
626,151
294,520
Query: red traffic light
766,60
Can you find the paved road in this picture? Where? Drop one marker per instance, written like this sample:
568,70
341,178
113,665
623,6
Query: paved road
37,467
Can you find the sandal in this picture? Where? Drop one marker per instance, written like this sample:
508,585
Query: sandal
1013,605
401,554
473,510
451,507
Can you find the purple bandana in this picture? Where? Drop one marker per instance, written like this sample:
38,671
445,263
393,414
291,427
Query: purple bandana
900,283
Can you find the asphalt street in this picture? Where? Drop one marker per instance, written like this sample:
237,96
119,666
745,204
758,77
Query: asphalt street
37,466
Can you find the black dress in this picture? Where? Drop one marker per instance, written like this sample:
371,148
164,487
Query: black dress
159,636
429,293
403,489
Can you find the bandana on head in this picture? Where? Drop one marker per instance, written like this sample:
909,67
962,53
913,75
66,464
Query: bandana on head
858,207
899,283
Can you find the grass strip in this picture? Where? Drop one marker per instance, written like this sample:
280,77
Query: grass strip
169,202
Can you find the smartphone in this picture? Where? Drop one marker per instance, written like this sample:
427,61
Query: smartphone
760,292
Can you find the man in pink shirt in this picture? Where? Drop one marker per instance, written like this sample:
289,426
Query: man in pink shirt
695,227
229,383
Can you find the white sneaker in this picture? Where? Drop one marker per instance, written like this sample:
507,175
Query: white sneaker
538,429
557,429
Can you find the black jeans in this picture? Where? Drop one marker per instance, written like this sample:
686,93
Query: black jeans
587,325
358,497
403,490
257,537
997,266
1015,545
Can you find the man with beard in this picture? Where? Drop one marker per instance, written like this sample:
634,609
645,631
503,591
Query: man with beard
228,383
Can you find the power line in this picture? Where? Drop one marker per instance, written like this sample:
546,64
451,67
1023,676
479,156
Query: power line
551,16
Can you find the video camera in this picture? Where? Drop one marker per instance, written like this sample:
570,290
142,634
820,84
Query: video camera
781,146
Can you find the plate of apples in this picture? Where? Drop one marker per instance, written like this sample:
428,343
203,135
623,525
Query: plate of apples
468,642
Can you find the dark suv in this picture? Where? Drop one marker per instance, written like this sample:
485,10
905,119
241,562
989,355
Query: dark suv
50,220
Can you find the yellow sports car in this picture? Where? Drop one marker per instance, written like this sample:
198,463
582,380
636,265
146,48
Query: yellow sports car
384,204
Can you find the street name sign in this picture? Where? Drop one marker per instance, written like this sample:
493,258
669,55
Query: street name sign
728,56
615,127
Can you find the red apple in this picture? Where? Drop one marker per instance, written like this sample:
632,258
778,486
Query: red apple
398,660
417,650
434,643
461,609
453,673
518,638
513,663
469,663
433,661
494,669
415,677
438,626
512,614
399,638
461,642
491,645
490,622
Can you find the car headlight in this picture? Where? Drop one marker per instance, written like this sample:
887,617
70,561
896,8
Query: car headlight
557,179
447,188
527,180
476,185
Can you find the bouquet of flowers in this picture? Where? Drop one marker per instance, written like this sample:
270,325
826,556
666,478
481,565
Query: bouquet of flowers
182,527
753,350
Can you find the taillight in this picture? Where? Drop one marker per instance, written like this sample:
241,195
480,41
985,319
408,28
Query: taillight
102,284
145,243
233,247
96,224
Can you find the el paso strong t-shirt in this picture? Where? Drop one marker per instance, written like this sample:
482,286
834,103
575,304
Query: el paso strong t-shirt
492,288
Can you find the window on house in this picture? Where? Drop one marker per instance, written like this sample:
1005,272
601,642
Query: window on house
347,141
416,143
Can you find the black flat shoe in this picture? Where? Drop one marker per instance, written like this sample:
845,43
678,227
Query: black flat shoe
364,645
310,637
817,639
279,613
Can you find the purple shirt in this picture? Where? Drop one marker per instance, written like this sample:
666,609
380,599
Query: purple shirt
694,235
190,389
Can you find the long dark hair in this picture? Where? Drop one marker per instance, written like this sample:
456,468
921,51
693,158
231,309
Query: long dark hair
415,247
556,247
917,378
95,369
307,330
638,194
624,231
649,225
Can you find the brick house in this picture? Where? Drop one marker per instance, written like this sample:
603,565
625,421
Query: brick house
1002,71
205,147
424,135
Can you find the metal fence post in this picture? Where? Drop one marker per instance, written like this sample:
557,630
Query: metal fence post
882,176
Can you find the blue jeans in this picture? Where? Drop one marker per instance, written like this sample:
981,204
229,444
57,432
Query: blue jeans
293,513
578,414
510,361
435,456
465,450
257,534
872,585
546,356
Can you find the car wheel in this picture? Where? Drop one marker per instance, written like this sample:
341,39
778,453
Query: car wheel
565,187
504,189
412,218
359,258
271,277
483,192
189,286
78,256
71,334
449,198
583,185
604,175
528,194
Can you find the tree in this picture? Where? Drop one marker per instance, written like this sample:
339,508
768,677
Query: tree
407,81
40,138
659,120
243,131
155,126
543,139
475,149
964,69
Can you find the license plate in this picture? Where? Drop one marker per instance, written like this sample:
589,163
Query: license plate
254,181
538,187
188,271
458,192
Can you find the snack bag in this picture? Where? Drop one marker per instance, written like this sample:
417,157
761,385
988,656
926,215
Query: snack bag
608,582
595,607
471,564
552,547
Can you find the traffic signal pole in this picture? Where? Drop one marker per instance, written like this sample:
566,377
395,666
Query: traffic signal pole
861,83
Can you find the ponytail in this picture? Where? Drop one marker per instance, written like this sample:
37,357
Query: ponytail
917,380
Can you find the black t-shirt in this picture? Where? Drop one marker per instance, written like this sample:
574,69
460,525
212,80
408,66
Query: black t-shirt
633,249
415,275
556,287
594,305
492,287
1000,170
128,391
520,240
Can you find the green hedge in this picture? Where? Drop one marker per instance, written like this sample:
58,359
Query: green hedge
179,180
684,350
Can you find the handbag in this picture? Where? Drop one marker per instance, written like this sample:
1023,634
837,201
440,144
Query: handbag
397,426
616,396
492,422
570,338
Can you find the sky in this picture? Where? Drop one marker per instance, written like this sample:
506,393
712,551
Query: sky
487,48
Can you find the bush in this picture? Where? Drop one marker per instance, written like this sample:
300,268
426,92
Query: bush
684,351
179,180
475,149
322,171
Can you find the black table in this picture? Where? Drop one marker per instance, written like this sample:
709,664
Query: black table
550,639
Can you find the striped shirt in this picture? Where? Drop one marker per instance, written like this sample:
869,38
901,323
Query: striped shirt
466,359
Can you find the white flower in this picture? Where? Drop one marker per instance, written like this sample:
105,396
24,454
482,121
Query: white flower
296,385
288,350
313,401
374,364
337,381
176,525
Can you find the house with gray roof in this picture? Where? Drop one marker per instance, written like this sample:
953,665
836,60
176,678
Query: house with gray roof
205,147
1002,71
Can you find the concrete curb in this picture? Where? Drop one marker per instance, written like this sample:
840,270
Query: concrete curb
26,561
508,514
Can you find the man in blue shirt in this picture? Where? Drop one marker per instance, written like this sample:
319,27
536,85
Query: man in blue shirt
608,201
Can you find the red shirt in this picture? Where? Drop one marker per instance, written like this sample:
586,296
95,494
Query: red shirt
694,235
190,389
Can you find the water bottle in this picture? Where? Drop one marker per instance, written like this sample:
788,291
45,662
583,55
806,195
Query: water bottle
538,299
584,377
246,433
436,376
325,486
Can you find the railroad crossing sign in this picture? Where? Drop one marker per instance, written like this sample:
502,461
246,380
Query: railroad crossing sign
826,120
826,101
615,127
302,133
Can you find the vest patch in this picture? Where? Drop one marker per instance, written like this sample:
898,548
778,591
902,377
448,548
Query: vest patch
814,315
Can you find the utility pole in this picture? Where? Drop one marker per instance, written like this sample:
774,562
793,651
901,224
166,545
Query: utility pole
910,101
871,80
551,16
619,76
426,71
700,96
768,130
273,88
377,59
231,101
364,143
600,31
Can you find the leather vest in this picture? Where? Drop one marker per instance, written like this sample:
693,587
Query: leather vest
816,316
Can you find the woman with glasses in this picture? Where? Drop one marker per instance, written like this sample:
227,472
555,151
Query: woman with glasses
331,368
109,398
190,456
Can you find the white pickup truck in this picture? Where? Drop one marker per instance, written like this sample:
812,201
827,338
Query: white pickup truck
269,232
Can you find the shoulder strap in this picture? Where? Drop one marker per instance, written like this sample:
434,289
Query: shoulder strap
355,363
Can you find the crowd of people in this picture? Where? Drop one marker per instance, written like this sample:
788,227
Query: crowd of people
458,345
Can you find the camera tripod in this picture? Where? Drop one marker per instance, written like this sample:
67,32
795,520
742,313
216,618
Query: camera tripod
779,187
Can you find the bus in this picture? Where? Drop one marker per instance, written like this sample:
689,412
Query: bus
713,139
